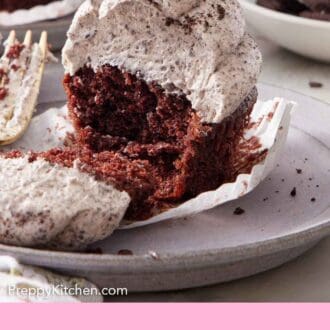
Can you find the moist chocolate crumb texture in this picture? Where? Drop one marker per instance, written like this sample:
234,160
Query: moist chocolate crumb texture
12,5
159,93
315,9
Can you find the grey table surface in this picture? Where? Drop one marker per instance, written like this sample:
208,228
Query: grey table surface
305,279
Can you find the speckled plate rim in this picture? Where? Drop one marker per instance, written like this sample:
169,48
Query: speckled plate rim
251,5
169,262
176,261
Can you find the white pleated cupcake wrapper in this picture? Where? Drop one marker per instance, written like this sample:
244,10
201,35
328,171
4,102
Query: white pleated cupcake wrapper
271,124
47,12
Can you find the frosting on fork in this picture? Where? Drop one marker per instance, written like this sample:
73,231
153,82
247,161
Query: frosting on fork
21,70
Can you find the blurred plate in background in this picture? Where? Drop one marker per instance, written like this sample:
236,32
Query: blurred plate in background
56,30
304,36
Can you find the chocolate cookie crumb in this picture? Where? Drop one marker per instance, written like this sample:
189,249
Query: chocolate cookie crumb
3,93
293,192
313,199
125,252
97,250
169,21
221,12
239,211
15,51
299,171
315,84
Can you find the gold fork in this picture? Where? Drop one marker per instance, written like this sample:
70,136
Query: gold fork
21,71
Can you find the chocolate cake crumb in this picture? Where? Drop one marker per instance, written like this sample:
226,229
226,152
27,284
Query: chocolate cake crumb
293,192
298,170
97,250
3,93
315,84
239,211
15,67
125,252
15,51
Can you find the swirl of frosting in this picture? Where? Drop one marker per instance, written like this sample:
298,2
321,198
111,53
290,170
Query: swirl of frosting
196,47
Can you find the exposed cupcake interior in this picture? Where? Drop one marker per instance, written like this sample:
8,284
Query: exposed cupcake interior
159,106
145,110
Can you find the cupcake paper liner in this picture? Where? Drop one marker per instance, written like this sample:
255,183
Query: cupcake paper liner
269,124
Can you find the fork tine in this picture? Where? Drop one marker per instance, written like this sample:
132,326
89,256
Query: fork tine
10,41
3,60
28,39
43,43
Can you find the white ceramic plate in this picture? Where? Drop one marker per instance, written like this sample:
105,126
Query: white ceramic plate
218,246
56,30
307,37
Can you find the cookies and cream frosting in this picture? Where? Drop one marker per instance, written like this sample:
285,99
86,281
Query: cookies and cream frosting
45,204
196,47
